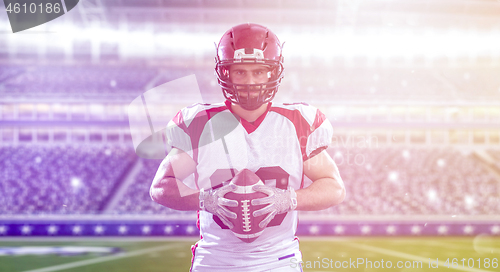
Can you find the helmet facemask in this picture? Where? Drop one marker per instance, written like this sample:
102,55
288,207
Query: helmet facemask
249,44
249,96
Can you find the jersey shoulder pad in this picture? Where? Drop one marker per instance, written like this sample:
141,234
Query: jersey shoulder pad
313,129
196,110
188,123
308,112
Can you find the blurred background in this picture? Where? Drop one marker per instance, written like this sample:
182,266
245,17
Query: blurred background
412,89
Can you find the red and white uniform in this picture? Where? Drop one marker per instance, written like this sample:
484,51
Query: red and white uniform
274,147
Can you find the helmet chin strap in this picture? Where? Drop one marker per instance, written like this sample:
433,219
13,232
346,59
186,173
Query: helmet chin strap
250,107
250,103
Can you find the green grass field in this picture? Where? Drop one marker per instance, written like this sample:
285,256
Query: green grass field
319,254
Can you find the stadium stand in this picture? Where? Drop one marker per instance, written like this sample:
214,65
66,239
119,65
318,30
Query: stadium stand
380,181
401,181
74,81
496,156
136,199
63,115
395,83
327,83
59,180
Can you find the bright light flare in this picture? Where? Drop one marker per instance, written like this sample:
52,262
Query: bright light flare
393,176
469,202
432,195
76,182
385,44
372,43
441,163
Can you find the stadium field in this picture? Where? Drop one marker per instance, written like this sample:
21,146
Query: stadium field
479,253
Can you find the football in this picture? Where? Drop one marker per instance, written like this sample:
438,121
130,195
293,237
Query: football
246,226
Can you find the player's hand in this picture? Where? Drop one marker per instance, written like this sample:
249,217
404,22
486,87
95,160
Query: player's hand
213,201
279,200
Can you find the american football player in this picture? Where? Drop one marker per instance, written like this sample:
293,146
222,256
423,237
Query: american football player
280,143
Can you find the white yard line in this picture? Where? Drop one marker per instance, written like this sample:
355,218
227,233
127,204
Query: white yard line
411,257
447,244
104,259
457,245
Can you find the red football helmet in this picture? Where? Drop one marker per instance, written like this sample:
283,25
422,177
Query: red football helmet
244,44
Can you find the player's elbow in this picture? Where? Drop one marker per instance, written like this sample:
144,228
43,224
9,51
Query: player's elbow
339,196
159,191
166,192
337,192
155,193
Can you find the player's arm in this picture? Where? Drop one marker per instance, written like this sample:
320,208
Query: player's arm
327,188
167,188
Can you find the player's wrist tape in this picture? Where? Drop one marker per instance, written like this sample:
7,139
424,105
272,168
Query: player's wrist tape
202,199
293,197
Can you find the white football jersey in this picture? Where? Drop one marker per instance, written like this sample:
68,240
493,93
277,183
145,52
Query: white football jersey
274,147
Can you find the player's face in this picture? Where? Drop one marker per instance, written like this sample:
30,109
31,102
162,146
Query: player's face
249,74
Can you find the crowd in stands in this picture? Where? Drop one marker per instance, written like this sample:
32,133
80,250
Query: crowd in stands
399,181
379,181
495,154
60,180
79,179
136,199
